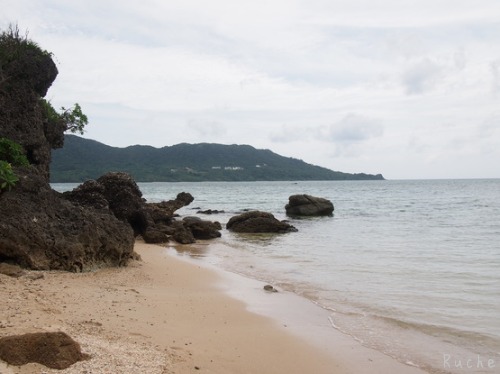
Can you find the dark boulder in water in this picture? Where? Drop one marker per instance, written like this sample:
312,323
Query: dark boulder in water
210,211
258,222
202,229
307,205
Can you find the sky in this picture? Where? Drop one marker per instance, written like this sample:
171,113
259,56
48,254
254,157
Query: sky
406,88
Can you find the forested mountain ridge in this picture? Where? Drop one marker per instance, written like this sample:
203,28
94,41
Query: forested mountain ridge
82,159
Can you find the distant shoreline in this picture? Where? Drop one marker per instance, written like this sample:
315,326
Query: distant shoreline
81,159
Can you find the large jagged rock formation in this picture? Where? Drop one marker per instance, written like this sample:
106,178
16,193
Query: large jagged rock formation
155,222
96,224
39,229
23,81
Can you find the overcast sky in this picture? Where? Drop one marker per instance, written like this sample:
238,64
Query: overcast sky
409,89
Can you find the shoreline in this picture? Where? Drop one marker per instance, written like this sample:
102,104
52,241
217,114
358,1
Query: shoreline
169,315
301,317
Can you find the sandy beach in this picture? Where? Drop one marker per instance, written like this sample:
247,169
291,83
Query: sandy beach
166,315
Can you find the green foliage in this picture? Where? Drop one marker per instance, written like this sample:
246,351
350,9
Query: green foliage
49,112
7,177
74,119
11,153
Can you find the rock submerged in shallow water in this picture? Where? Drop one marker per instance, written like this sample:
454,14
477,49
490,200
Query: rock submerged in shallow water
202,229
258,222
270,288
55,350
307,205
210,211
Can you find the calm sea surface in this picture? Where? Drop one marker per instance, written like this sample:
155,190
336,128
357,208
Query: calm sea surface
410,268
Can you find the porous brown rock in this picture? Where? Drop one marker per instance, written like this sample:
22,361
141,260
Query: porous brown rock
14,271
55,350
40,230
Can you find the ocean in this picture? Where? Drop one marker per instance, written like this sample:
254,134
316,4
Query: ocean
410,268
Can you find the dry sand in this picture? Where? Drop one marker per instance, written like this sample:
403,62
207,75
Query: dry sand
165,315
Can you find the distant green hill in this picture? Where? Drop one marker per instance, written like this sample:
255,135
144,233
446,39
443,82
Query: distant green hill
82,159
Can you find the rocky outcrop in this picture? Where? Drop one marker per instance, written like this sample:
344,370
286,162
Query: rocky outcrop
23,81
162,224
113,192
89,194
258,222
41,230
123,195
307,205
55,350
89,227
155,222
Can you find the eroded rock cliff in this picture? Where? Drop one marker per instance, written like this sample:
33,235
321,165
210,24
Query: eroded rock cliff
39,229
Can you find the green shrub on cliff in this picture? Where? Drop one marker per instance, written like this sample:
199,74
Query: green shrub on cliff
11,154
7,177
74,119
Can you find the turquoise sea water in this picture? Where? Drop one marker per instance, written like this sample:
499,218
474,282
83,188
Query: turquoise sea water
410,268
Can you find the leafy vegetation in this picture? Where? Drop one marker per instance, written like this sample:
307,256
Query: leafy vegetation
73,119
83,159
7,177
11,154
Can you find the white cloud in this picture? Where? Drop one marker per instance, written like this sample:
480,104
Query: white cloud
495,71
345,84
421,77
208,129
353,128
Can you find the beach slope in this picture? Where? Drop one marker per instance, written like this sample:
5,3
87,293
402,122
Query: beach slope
158,315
